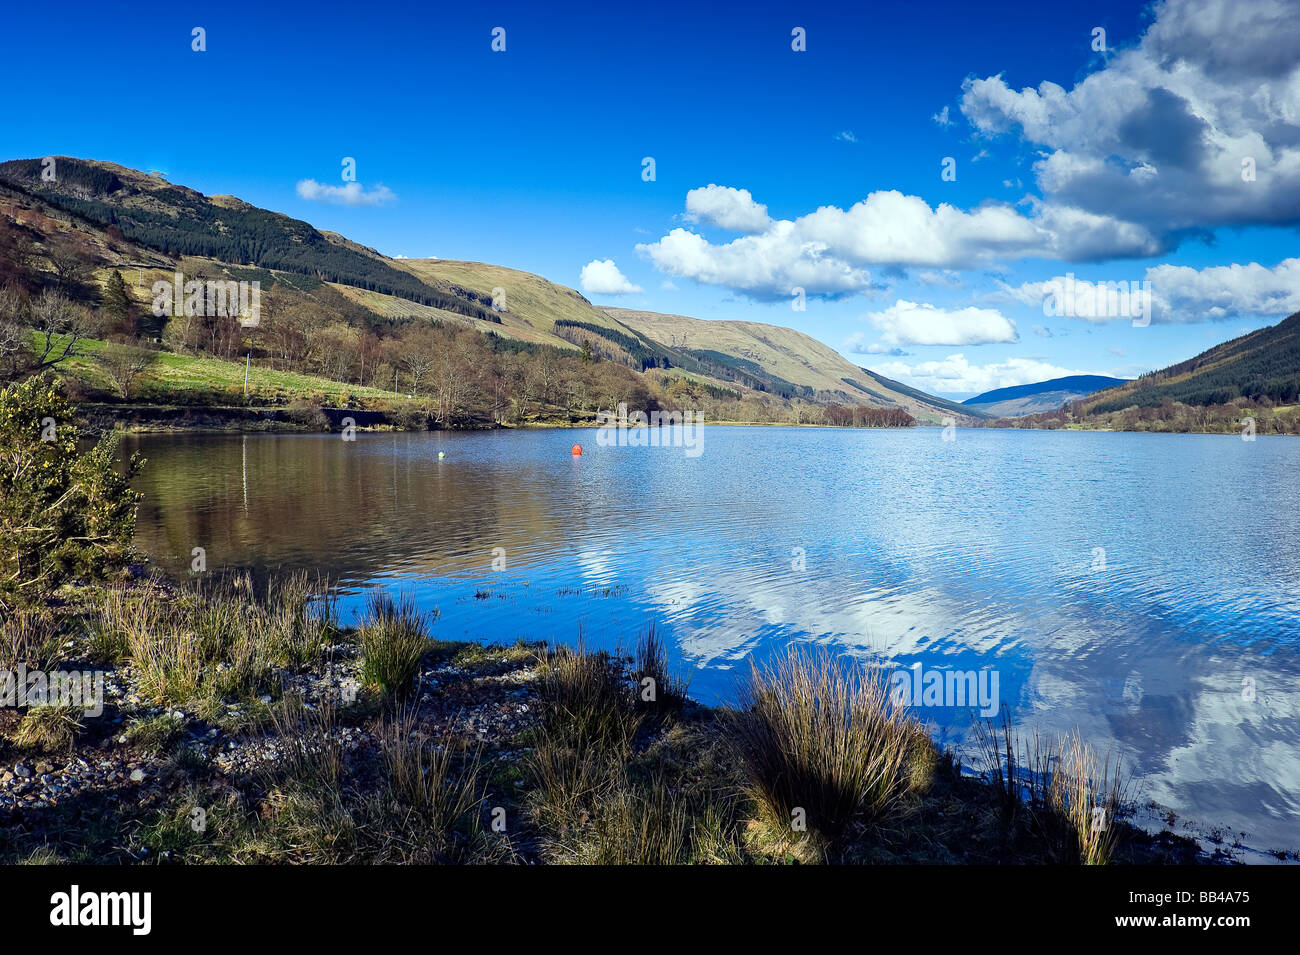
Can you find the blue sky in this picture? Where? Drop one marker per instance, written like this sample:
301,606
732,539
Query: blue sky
1068,160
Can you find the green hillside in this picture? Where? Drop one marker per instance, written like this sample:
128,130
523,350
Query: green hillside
1263,364
100,235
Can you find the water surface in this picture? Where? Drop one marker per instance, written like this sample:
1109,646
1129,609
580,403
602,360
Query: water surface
1136,586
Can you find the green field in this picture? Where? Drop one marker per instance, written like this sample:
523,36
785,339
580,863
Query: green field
182,379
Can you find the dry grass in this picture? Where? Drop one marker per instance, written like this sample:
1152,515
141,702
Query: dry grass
423,807
1087,792
217,641
821,742
585,700
1066,795
49,728
30,638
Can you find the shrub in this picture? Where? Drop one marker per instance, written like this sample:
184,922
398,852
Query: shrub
307,414
62,514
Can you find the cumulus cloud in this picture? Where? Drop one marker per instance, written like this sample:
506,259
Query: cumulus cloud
602,277
826,252
766,266
915,323
1156,142
941,117
1221,292
846,136
348,194
732,209
955,375
1182,295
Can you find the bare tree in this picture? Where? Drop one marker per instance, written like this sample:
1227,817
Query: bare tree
61,324
73,262
419,353
15,313
125,364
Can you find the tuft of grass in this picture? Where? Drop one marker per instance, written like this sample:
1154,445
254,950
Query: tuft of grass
310,753
42,855
1087,793
645,824
821,742
585,700
1068,797
660,691
49,727
156,733
28,637
217,641
302,618
431,788
567,783
393,640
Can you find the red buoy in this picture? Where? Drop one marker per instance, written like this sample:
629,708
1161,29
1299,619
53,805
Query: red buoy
577,450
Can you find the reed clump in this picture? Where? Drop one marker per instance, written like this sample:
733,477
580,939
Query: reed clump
394,638
821,742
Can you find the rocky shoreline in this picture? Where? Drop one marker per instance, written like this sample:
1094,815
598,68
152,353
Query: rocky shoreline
131,784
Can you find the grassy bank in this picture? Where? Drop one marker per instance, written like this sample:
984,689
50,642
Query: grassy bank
243,726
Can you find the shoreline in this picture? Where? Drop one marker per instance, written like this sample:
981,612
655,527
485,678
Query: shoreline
162,750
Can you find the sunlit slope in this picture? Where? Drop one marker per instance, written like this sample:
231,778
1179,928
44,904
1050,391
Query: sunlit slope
785,354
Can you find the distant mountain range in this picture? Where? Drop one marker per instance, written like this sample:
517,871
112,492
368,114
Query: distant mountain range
1038,397
136,221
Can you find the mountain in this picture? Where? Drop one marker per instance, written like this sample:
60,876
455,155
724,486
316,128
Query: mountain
1262,365
785,360
1038,397
147,210
140,224
1248,385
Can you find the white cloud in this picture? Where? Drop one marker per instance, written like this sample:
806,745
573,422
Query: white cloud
947,278
1182,295
954,375
846,136
767,266
941,117
602,277
913,323
732,209
1154,141
826,251
348,194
